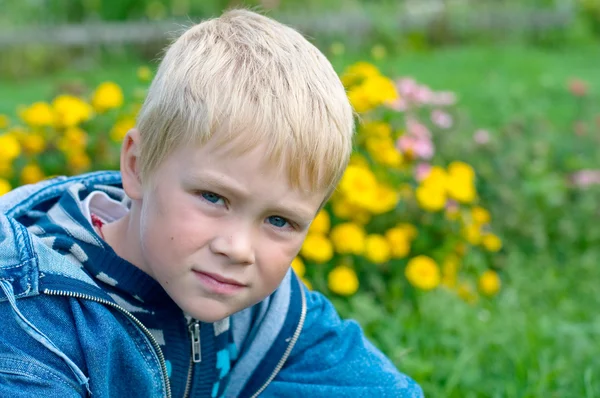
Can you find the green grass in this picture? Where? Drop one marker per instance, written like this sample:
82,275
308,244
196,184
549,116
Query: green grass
539,337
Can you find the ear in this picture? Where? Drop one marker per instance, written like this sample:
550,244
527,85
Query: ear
130,173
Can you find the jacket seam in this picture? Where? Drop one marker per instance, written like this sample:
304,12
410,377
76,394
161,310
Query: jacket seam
46,372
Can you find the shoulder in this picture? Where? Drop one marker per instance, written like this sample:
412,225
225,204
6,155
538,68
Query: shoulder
36,337
333,357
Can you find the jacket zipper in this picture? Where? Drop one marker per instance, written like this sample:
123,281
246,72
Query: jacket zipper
288,350
159,352
196,357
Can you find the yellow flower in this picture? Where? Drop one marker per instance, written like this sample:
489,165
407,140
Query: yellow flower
431,198
410,230
78,161
377,249
348,238
489,283
491,242
472,233
376,129
9,148
423,273
399,242
431,194
144,73
31,174
6,169
321,223
71,111
480,215
120,129
383,151
4,121
108,95
298,266
359,186
344,209
74,139
449,271
357,72
317,248
462,170
4,186
373,90
342,280
384,200
461,182
39,114
33,143
437,177
359,98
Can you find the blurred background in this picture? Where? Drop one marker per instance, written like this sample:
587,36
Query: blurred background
465,236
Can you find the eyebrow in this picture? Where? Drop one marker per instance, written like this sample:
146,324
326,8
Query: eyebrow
223,183
231,187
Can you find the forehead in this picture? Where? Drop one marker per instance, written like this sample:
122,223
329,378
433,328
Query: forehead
257,159
252,171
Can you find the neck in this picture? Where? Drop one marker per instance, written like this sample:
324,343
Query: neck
123,235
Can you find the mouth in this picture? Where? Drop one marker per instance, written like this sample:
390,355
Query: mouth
218,283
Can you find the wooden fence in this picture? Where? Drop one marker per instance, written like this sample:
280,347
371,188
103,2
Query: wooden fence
350,24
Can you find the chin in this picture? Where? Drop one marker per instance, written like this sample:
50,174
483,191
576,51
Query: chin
214,313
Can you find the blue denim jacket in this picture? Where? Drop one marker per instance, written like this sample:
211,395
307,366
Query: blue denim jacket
61,335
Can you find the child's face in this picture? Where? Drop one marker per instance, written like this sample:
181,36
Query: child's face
219,232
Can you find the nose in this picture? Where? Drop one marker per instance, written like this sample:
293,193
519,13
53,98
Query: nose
235,244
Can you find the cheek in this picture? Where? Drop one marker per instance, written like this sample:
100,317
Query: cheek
275,260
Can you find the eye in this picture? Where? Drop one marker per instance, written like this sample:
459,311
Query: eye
277,221
211,197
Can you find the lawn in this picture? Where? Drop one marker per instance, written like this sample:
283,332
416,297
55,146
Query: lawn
539,337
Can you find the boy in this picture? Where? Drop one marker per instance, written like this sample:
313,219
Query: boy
172,277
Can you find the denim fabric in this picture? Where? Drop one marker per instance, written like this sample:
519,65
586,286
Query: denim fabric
61,335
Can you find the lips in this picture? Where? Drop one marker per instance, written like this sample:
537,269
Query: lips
222,279
219,284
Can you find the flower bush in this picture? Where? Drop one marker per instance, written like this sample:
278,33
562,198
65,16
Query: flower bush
404,220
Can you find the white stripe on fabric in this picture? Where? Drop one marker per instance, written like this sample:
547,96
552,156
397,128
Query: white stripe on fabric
107,279
158,336
126,304
59,216
221,326
79,253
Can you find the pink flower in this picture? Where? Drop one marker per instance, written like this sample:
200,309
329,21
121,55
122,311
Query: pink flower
441,119
423,148
585,178
481,137
405,143
578,87
421,171
406,86
420,147
399,104
423,95
417,129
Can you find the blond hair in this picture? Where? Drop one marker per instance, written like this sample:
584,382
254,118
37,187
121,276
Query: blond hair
247,79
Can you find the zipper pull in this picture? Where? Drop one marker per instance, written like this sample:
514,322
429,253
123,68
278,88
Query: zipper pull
194,329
